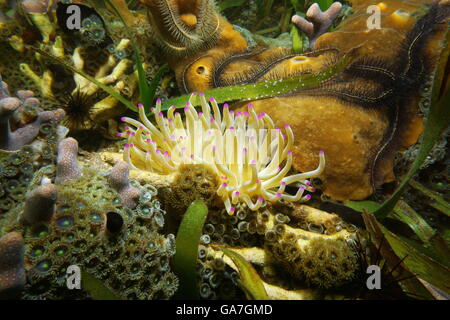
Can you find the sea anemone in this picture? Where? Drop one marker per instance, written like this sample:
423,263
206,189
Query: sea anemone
250,155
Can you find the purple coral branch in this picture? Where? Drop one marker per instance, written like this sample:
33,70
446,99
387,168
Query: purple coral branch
12,268
119,180
14,140
319,21
66,162
40,204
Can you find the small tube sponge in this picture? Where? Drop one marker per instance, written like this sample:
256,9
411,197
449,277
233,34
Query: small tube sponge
12,270
320,21
40,204
119,180
67,164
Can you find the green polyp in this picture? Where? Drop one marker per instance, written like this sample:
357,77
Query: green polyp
28,151
64,222
12,185
40,232
45,128
37,251
18,193
70,237
10,171
6,203
43,266
25,179
47,152
146,211
16,158
95,218
61,250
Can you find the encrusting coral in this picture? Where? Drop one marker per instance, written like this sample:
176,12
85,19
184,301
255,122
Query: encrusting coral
249,155
82,221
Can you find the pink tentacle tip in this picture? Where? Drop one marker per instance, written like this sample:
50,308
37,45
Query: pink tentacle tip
232,209
200,114
278,195
289,153
231,112
224,184
195,93
192,156
244,149
246,114
214,148
172,107
131,145
283,183
126,146
157,151
188,103
212,120
302,188
140,105
321,152
258,181
170,120
253,162
133,134
226,106
236,193
286,126
211,99
250,106
308,196
278,168
160,114
260,199
123,119
308,183
177,113
119,134
231,128
158,100
186,109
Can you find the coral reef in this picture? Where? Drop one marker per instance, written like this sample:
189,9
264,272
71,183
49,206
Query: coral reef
252,172
82,221
99,49
312,246
353,117
28,143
